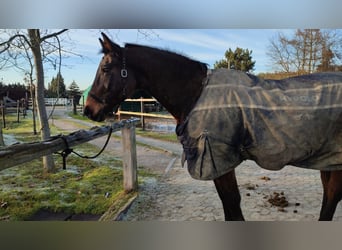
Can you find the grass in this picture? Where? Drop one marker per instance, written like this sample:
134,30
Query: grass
83,118
169,137
89,188
86,186
23,130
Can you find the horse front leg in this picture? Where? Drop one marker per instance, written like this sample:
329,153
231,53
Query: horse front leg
332,193
229,194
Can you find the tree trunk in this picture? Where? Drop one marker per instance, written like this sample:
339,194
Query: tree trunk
35,41
74,105
1,137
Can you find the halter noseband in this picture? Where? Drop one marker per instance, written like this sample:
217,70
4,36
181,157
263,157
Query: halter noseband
123,74
99,100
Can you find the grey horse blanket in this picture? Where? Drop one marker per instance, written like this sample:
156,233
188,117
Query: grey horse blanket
296,121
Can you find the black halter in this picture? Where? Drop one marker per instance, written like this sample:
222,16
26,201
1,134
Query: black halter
123,74
99,100
123,71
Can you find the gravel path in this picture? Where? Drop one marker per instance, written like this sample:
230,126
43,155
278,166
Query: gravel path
175,196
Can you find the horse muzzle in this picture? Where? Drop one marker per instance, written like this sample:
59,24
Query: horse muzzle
95,116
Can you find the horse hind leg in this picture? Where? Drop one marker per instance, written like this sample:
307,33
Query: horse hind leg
229,194
332,193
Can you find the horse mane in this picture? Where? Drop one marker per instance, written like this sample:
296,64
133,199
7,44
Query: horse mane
182,59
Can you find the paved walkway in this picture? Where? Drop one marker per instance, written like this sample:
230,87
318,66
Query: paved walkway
175,196
178,197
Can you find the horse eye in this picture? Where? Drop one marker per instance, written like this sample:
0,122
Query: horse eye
106,68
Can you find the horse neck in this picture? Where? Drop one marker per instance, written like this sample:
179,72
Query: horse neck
175,82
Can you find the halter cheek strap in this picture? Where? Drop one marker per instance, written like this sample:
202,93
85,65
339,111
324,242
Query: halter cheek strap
123,74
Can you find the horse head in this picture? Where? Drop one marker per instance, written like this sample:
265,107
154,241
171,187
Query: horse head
113,83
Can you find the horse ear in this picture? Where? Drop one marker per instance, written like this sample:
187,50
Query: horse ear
108,46
104,50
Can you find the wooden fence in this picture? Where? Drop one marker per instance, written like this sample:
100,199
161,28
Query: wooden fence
20,153
142,114
18,108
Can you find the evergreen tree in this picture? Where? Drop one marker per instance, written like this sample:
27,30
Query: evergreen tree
75,94
240,59
73,89
56,87
15,91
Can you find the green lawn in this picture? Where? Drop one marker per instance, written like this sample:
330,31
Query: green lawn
170,137
86,186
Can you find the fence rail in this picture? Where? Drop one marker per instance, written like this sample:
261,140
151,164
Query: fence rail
20,153
145,114
142,114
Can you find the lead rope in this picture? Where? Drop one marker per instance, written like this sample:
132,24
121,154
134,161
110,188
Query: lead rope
69,150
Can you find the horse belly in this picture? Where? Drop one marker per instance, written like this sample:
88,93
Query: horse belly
304,138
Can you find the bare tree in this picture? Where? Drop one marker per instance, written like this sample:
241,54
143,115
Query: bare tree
304,51
279,52
40,47
307,44
22,52
331,51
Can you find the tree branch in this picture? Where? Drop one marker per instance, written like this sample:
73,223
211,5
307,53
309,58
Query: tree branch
9,41
52,35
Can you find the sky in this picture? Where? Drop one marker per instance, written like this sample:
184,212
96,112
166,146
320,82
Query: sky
205,45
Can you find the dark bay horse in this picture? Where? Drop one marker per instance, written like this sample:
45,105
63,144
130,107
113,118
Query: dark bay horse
177,83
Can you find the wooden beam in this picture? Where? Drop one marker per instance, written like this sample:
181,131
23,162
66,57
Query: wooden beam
141,100
129,158
144,114
20,153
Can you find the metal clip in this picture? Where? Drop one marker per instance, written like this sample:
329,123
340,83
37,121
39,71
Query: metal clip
124,73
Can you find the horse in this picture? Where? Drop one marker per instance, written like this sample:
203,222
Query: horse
179,83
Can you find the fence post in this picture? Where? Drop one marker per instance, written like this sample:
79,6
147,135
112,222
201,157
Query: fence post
18,111
142,118
130,179
119,114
